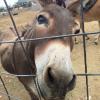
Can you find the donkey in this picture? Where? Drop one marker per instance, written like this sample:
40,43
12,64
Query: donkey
90,9
49,59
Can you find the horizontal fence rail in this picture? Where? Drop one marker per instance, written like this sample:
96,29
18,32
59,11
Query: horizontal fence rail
44,38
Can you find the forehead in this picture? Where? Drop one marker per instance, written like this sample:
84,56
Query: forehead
58,12
54,9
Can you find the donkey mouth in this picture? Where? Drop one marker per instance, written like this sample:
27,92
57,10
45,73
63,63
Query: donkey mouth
69,87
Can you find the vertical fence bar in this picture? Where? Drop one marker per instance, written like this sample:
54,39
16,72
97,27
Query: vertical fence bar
5,88
28,58
84,47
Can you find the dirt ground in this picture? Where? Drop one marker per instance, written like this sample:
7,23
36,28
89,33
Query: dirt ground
17,90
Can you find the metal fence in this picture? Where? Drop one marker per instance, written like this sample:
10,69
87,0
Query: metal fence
86,74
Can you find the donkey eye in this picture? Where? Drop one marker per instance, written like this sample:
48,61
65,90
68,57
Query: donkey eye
42,19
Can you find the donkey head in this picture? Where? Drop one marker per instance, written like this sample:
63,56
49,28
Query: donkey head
53,56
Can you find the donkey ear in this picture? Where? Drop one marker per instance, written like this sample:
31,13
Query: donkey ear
74,7
42,2
45,2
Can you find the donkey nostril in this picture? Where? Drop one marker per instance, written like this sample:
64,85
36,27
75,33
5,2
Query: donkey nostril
50,75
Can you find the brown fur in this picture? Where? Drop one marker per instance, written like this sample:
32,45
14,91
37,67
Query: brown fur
14,59
92,14
74,7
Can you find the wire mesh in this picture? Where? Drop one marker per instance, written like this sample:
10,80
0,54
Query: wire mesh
86,74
